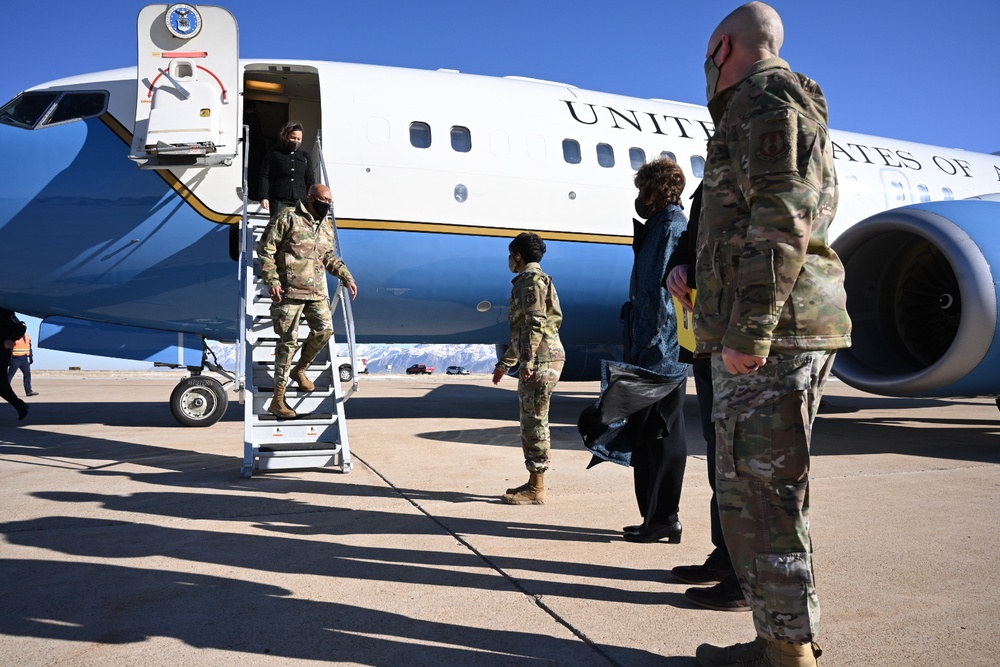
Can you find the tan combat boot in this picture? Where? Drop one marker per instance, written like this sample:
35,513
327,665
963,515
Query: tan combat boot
299,375
783,654
278,407
532,493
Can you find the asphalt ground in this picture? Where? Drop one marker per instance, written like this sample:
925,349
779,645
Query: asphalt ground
126,539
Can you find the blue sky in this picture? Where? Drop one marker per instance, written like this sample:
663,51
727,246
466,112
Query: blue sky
919,70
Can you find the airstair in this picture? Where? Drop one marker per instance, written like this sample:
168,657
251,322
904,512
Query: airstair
187,116
318,436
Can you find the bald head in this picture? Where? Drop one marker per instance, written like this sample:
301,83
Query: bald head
320,191
751,33
320,199
754,26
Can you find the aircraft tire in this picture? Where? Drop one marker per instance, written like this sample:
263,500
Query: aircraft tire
198,401
345,374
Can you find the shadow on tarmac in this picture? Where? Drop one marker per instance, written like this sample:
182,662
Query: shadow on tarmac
158,603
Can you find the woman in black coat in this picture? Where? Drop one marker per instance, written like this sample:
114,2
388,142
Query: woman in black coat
287,172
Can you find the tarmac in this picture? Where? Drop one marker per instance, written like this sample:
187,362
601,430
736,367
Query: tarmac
126,539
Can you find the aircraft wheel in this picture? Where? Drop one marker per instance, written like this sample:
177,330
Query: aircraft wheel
198,401
345,374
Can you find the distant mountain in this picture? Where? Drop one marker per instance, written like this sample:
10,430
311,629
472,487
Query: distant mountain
397,358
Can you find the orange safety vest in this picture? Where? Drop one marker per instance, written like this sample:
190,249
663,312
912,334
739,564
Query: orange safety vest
22,348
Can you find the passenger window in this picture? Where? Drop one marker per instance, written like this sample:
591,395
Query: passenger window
461,139
571,151
947,194
924,192
420,135
669,155
898,192
637,157
77,106
605,155
698,166
26,109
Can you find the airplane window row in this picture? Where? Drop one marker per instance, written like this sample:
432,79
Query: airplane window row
461,142
900,196
48,108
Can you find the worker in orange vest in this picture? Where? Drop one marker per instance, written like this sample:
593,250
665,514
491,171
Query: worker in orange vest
22,356
11,329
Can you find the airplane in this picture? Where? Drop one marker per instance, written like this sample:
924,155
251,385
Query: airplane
127,243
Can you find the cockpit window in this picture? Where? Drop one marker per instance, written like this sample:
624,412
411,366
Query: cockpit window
77,106
27,109
45,109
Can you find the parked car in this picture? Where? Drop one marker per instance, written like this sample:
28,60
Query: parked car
345,370
419,369
456,370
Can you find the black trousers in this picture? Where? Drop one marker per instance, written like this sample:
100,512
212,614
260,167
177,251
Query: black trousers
659,459
702,369
6,392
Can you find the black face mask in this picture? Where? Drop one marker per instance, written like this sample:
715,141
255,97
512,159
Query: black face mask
642,209
321,208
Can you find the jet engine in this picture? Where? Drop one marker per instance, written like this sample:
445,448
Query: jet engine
922,293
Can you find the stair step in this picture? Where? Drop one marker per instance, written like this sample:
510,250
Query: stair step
303,418
310,448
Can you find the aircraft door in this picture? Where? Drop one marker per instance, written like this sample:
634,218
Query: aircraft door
188,84
275,93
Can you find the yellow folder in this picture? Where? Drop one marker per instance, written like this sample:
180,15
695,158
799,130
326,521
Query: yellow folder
685,324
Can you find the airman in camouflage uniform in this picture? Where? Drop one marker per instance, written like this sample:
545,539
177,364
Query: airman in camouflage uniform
295,252
771,311
535,317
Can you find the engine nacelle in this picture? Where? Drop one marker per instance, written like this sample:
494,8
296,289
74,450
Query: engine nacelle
922,292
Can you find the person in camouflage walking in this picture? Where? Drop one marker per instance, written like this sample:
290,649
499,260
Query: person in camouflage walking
771,312
535,317
295,252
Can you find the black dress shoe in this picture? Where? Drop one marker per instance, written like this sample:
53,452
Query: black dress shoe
724,596
656,532
699,574
22,411
632,529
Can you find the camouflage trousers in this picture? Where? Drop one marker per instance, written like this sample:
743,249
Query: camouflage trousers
534,396
763,425
285,315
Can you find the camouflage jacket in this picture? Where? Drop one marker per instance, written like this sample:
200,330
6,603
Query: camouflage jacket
296,250
766,275
535,318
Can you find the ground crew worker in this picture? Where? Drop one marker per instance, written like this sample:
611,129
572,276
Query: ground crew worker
535,317
295,252
771,311
11,329
22,356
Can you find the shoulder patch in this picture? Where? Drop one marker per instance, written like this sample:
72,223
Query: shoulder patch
773,146
773,142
